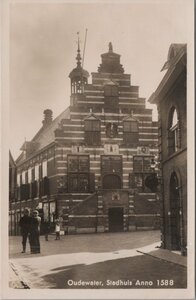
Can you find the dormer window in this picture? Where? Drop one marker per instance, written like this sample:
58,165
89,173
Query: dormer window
92,128
173,132
130,131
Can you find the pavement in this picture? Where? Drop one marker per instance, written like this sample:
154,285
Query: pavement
96,256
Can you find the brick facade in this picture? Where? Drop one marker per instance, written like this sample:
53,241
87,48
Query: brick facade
170,98
98,155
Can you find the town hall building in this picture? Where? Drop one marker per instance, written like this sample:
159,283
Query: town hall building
94,165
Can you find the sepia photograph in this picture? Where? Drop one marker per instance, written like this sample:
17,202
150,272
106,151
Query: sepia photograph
98,149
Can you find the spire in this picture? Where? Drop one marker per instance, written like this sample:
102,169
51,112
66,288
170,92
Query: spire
78,57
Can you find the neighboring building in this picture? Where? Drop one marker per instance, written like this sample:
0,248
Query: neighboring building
92,166
12,191
170,97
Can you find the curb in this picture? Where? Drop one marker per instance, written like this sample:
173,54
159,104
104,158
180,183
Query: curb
20,280
162,259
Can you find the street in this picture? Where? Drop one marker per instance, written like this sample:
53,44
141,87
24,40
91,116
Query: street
106,260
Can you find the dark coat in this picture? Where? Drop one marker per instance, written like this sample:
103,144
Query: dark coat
25,224
35,225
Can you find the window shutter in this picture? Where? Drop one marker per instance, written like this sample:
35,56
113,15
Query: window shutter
46,186
92,183
34,189
40,171
33,174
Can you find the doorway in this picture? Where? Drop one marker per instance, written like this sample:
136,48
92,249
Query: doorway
115,219
175,217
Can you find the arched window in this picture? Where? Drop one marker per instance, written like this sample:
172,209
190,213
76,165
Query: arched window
173,132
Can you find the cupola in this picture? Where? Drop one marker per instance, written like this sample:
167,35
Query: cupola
78,75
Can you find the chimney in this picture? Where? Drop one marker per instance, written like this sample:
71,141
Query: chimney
47,117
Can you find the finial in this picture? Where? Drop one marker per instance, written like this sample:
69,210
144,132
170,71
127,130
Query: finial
110,47
78,57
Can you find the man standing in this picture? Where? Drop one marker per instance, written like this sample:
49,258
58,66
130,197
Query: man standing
25,223
35,232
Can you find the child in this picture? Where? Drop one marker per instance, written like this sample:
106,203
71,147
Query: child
57,229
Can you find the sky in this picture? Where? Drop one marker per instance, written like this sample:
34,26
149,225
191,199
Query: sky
43,44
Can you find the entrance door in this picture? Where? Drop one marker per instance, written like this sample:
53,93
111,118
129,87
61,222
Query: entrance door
111,181
115,217
175,219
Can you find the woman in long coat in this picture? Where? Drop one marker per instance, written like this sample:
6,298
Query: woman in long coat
35,232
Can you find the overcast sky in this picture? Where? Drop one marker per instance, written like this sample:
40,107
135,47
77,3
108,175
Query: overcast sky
43,50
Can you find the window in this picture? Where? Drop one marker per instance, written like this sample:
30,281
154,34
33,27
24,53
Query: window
111,130
111,164
36,172
142,164
144,182
78,173
130,132
111,96
29,175
23,177
92,132
111,90
143,177
18,179
44,168
173,132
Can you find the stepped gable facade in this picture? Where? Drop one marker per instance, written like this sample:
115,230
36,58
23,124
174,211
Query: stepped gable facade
94,165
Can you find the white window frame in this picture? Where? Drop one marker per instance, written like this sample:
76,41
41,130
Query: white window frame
44,168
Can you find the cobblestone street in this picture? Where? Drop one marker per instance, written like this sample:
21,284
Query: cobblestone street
110,260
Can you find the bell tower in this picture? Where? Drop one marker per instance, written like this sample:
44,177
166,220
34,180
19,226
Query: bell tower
78,77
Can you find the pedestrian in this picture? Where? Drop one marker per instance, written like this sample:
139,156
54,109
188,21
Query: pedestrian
57,229
46,229
35,232
24,224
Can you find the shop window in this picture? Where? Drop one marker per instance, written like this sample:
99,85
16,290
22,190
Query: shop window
173,132
130,132
92,132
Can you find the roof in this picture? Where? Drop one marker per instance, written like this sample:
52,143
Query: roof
175,64
11,160
78,72
174,49
45,135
